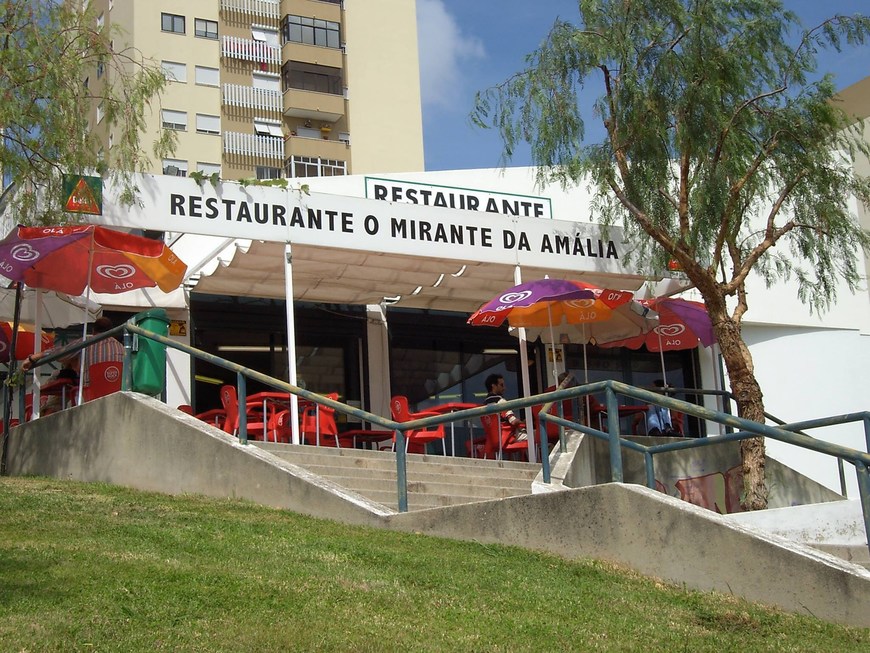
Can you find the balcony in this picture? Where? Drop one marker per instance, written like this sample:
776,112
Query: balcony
248,97
234,47
267,9
331,148
254,146
312,105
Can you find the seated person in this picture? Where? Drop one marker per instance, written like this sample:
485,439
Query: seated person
107,350
658,418
494,389
566,380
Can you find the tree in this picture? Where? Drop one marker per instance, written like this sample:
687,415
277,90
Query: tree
64,89
720,152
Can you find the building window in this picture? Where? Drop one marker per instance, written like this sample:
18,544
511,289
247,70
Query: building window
101,20
101,112
207,29
265,172
206,76
174,72
172,23
310,31
268,128
265,35
174,119
206,124
310,166
312,77
266,82
101,68
175,167
209,168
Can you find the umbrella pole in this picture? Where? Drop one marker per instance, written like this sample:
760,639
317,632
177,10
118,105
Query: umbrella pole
37,348
586,377
83,370
527,386
7,389
662,358
553,340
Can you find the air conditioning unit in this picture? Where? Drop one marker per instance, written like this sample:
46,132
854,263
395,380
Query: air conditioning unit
344,137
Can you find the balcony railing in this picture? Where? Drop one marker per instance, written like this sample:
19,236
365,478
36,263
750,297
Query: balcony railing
252,145
250,50
269,9
249,97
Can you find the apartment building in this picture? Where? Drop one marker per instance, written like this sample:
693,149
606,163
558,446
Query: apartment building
279,88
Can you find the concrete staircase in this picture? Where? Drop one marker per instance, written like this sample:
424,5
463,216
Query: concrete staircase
433,480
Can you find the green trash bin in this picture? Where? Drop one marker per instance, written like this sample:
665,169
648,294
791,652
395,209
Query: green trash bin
149,358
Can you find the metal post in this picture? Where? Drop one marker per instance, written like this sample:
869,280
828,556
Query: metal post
613,431
843,489
242,401
650,470
401,471
864,491
545,453
127,372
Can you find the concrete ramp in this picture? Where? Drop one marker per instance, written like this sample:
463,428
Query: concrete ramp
138,442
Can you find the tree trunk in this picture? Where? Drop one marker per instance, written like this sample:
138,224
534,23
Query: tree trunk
750,403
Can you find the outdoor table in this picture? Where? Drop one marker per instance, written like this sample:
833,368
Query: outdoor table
624,411
453,407
366,435
269,401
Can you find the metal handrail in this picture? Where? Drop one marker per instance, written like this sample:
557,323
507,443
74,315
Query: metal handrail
788,433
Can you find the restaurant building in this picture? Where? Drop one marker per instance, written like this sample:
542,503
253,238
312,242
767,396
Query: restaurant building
384,273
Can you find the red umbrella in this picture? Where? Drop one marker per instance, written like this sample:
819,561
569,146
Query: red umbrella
74,258
682,324
25,342
71,259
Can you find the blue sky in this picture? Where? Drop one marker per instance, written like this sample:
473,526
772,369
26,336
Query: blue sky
469,45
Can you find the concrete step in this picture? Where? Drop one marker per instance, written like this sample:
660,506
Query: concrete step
856,554
432,486
516,480
326,456
417,501
433,481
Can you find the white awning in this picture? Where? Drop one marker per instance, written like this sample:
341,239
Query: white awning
341,276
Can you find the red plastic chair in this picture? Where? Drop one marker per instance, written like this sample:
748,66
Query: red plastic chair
317,424
416,439
499,438
230,401
217,417
103,379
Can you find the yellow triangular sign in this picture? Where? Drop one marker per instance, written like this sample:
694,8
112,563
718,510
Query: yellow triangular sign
82,200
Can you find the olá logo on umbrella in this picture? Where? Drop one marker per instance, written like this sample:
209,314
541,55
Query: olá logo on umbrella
670,330
514,297
116,271
24,253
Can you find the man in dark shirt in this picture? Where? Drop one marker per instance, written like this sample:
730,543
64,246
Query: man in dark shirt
494,390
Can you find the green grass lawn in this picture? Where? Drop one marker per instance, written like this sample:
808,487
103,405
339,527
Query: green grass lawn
90,567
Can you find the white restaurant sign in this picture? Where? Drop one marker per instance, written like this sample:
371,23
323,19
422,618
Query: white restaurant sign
179,204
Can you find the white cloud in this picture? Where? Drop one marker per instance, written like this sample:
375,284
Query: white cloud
443,48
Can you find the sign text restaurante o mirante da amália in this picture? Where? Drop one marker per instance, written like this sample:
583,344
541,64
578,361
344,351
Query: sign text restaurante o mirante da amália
180,204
